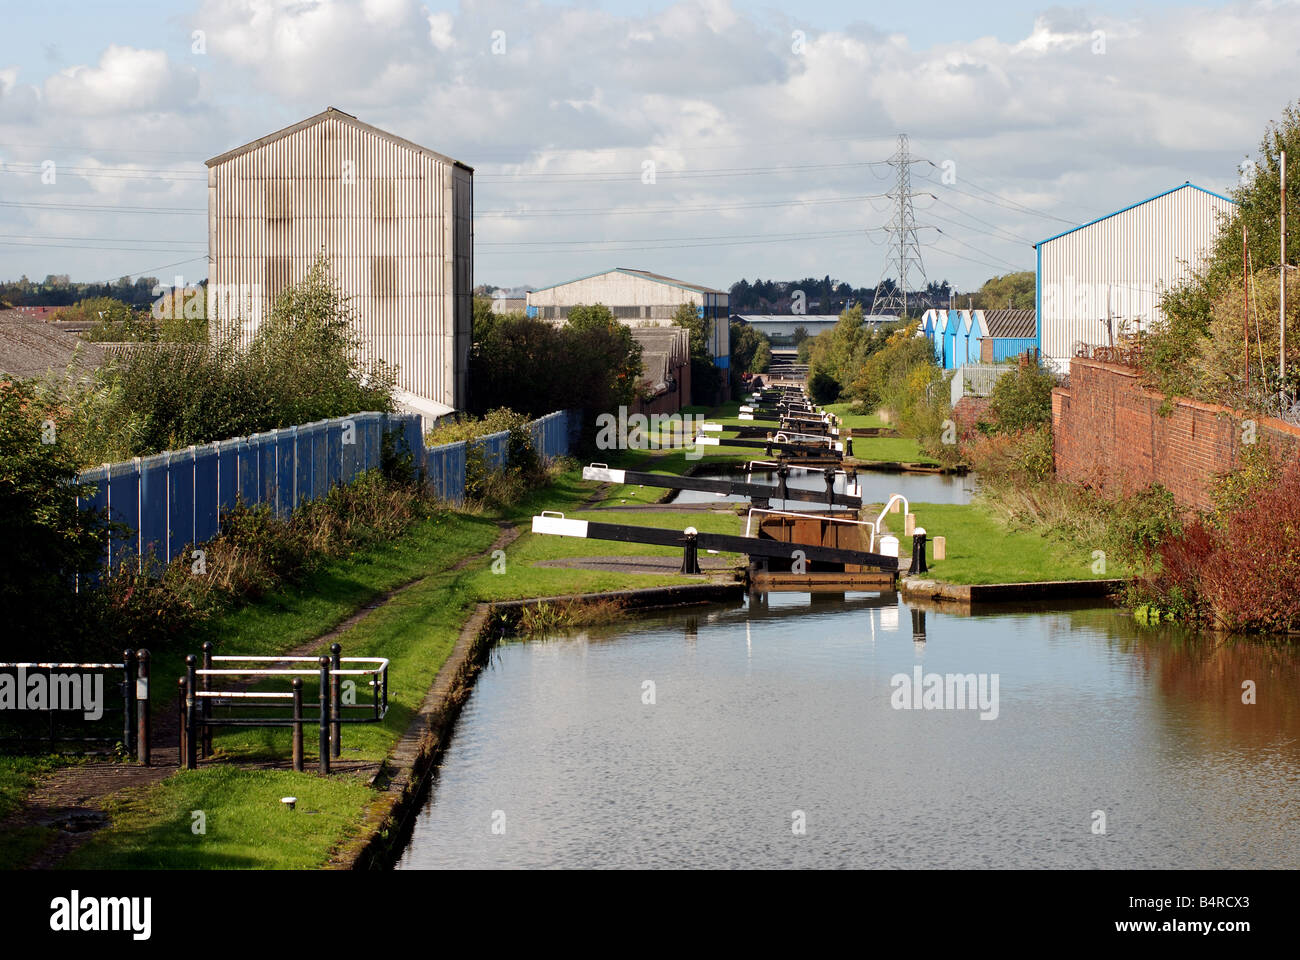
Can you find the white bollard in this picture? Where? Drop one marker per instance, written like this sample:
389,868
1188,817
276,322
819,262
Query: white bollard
889,546
940,548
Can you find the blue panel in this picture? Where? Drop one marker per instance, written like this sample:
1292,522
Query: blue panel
266,468
435,468
1008,348
371,425
250,462
285,441
303,464
354,449
207,496
334,453
455,472
227,474
153,508
124,507
722,362
98,501
180,502
320,449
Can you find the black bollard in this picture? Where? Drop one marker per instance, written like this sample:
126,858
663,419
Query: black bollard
128,700
918,553
336,703
180,722
143,733
690,557
324,716
297,724
191,713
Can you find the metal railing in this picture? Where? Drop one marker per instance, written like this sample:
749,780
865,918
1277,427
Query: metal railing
133,690
197,700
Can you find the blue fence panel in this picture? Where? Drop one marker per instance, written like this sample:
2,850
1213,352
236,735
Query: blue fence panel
153,508
334,453
285,441
97,479
435,470
320,448
353,450
370,431
267,471
494,447
207,498
180,502
303,464
250,470
124,508
228,473
455,472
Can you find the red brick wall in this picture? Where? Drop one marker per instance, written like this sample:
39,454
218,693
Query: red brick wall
966,412
1108,432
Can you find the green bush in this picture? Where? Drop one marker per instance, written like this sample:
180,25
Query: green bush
1022,398
823,387
483,485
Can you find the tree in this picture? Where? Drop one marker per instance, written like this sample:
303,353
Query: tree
706,378
750,352
1011,291
47,539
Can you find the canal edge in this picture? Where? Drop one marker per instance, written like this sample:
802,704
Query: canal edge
409,770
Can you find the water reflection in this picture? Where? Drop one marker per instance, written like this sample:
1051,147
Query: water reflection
783,703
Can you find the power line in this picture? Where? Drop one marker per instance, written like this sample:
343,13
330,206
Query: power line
102,207
605,211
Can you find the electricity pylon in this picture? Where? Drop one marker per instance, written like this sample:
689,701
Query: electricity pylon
904,248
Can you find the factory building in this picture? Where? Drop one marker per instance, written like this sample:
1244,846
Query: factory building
395,220
640,298
1103,281
960,337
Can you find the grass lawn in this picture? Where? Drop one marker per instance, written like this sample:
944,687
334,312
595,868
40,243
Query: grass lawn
853,416
245,825
17,776
981,550
901,449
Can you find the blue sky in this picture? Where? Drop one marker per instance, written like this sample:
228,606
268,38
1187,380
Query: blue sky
767,158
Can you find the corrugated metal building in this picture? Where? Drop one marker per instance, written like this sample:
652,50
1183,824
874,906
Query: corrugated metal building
1104,279
640,298
395,220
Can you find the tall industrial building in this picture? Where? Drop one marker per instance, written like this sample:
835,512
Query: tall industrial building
395,220
1102,280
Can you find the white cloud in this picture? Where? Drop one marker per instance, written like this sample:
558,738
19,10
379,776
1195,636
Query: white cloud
125,80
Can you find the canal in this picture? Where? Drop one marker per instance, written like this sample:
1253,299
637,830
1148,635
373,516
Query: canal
876,487
785,712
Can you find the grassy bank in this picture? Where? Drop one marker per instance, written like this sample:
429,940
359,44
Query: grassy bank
246,825
981,549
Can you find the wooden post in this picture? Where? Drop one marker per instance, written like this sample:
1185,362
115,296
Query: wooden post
940,548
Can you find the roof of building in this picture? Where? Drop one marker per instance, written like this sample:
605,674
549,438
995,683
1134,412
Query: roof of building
1011,323
1162,193
331,113
659,347
643,274
34,349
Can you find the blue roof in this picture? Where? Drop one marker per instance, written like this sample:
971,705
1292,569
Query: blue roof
1162,193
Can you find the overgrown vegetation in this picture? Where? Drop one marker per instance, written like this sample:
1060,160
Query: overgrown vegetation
303,363
487,484
1199,348
533,366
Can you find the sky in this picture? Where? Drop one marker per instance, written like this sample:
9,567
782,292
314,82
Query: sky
711,140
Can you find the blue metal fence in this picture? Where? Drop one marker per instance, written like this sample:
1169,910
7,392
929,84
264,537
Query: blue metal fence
172,500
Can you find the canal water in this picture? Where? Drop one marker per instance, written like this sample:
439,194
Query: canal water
876,486
777,737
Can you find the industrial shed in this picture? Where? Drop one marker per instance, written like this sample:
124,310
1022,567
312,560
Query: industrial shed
1102,280
640,298
978,336
395,220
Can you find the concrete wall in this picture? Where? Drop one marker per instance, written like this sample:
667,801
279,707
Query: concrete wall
1107,431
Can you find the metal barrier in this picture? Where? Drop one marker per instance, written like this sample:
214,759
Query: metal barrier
197,698
133,690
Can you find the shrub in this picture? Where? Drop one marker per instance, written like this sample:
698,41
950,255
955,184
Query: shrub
523,469
1022,398
823,387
